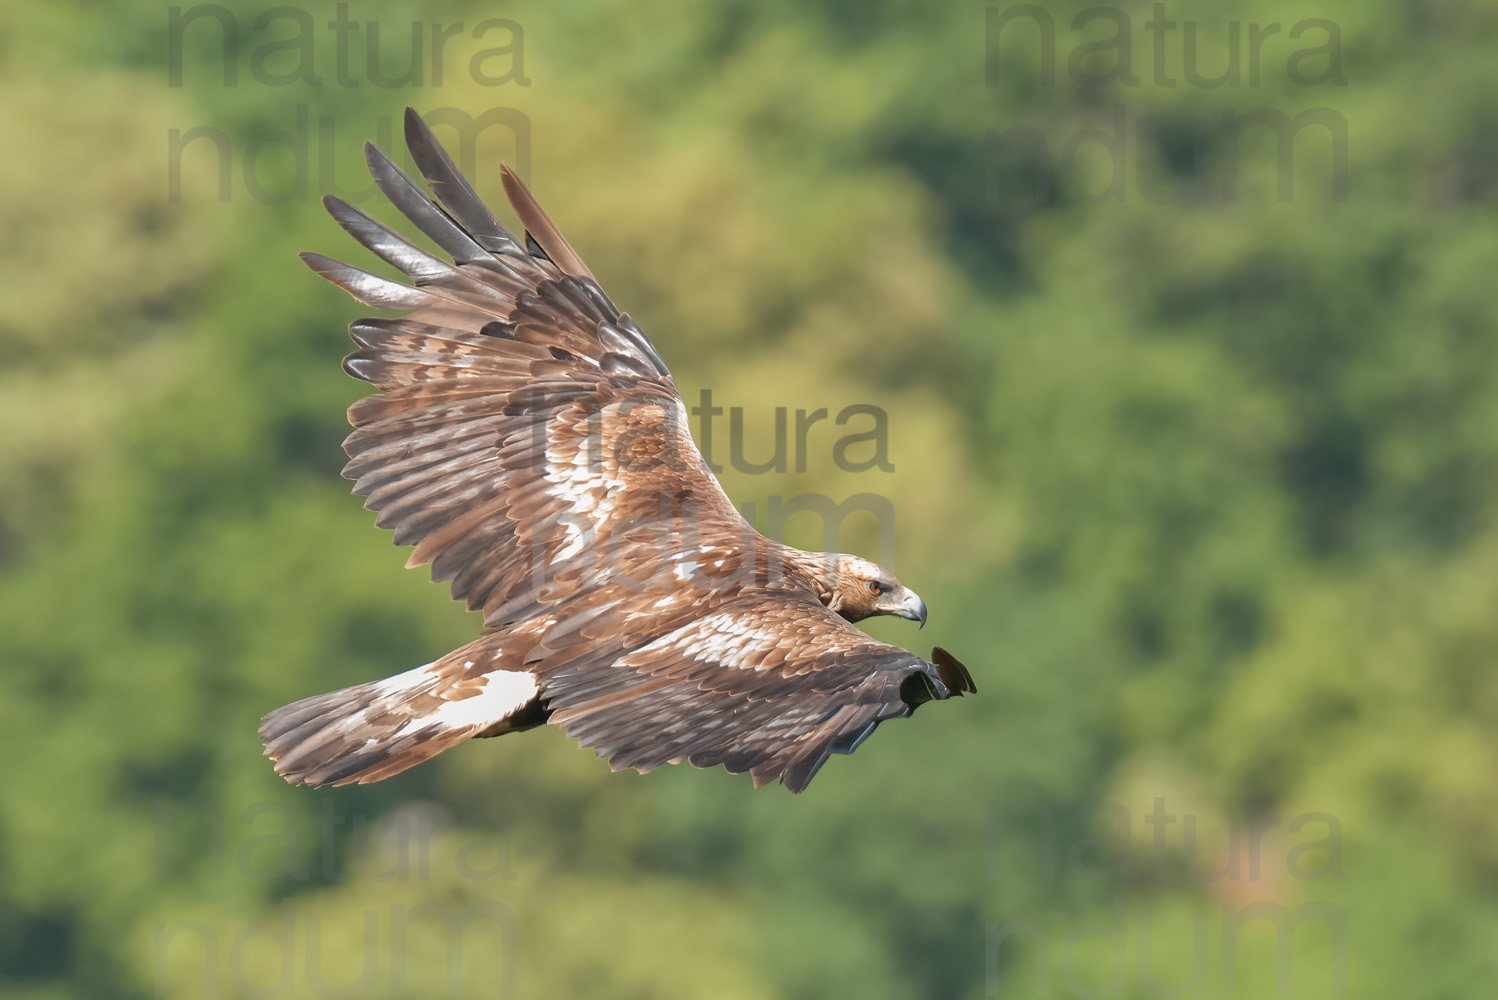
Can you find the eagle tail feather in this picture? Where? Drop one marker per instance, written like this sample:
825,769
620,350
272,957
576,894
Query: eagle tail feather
372,731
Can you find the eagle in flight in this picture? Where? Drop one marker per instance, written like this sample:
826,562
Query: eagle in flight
530,443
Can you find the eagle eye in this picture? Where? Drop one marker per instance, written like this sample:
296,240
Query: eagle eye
876,587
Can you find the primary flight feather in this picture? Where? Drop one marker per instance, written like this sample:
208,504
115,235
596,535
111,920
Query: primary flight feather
530,443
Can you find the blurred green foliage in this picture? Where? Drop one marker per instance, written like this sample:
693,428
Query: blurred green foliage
1201,491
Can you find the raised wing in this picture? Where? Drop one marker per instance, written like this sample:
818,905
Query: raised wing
769,682
523,419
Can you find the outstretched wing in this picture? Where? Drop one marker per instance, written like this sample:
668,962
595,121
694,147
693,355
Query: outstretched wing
522,417
769,682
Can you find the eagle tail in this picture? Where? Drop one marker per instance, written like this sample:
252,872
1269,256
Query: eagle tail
372,731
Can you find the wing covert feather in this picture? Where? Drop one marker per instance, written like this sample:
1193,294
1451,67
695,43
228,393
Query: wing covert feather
519,408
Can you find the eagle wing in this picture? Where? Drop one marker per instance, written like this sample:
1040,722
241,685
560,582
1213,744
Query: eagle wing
522,417
769,681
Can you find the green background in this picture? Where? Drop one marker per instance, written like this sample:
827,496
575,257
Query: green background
1199,481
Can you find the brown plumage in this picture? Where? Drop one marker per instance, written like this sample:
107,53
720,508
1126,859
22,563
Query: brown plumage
530,443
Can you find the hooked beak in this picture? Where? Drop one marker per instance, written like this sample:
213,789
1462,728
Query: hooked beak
912,608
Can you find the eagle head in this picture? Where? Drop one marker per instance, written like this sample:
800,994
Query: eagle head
859,589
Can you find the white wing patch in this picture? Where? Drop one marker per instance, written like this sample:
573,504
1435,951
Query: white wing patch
578,472
724,637
504,693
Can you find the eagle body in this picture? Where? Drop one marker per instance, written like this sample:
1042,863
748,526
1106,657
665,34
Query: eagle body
529,442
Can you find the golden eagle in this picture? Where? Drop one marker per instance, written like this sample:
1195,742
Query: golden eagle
530,443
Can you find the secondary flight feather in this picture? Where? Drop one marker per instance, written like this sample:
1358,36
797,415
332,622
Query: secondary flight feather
529,442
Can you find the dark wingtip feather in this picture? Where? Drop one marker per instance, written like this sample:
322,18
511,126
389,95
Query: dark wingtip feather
953,674
535,249
390,246
453,190
539,228
369,289
917,689
415,205
799,774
